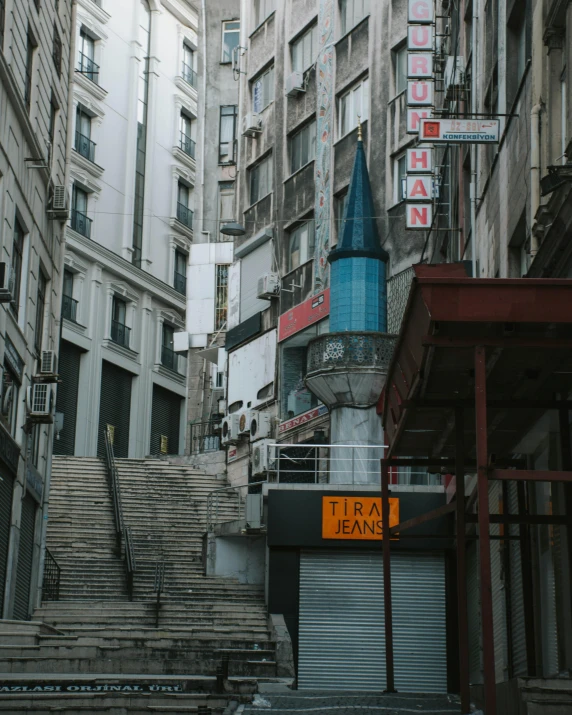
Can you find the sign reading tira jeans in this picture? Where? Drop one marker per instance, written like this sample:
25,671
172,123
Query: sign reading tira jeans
325,135
356,517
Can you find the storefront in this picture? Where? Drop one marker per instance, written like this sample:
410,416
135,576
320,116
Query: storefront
326,579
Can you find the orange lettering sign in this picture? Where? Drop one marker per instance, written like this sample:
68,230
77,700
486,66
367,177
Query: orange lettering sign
356,517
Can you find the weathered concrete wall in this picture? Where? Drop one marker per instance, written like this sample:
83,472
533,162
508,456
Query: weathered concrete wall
240,557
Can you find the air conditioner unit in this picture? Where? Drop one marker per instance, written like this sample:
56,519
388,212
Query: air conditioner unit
48,362
454,75
59,204
260,425
295,84
268,286
7,283
244,422
251,125
262,458
229,431
40,399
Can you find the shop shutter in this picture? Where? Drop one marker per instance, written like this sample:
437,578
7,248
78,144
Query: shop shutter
66,403
341,630
165,420
6,489
474,616
252,266
25,559
498,589
519,662
114,408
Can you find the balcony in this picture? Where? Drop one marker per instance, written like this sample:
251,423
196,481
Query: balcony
120,333
88,68
85,147
169,359
189,75
81,223
184,215
187,145
180,283
69,308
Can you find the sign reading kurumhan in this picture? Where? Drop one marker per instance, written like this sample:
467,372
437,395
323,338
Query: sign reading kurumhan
356,517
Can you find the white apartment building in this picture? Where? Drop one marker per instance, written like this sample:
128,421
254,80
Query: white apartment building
131,226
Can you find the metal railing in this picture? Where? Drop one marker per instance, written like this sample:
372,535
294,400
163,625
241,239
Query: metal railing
158,587
81,223
52,574
229,503
184,215
120,333
88,68
189,75
169,358
84,146
187,145
204,437
180,283
123,534
69,308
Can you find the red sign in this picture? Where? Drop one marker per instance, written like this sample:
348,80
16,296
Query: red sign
303,418
303,315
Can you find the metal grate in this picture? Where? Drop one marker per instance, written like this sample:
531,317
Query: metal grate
221,304
350,349
398,287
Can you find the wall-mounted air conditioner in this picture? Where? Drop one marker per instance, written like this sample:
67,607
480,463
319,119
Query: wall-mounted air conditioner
260,425
7,283
262,457
48,363
268,286
295,84
251,125
40,399
244,422
229,431
59,204
454,75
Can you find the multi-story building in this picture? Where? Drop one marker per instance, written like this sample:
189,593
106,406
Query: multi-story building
132,178
34,77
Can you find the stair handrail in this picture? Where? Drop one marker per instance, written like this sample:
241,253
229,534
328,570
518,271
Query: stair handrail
159,584
52,574
122,532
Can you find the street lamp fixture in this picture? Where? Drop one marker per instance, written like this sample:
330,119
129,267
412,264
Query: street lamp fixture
233,229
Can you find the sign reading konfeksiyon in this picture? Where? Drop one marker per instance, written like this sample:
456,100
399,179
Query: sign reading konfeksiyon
471,131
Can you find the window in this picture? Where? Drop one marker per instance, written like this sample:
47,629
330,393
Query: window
227,135
2,22
87,66
352,12
57,50
303,147
79,220
189,74
261,179
83,143
120,333
17,257
225,206
263,91
230,39
40,311
399,176
69,305
10,390
340,205
304,50
351,105
186,143
184,213
262,9
221,297
400,69
180,281
31,46
168,355
518,49
53,119
301,245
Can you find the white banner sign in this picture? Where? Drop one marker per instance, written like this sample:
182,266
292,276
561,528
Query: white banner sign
414,117
420,37
420,160
420,65
419,94
420,11
471,131
418,216
419,188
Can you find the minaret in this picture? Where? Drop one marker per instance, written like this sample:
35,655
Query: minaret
347,367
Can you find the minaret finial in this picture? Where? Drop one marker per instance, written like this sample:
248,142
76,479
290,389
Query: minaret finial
359,132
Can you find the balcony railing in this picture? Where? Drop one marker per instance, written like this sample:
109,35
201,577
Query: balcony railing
184,215
180,283
169,359
88,68
81,223
84,146
69,308
189,75
205,437
52,574
120,333
187,145
398,289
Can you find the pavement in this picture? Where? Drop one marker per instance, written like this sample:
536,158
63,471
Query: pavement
349,703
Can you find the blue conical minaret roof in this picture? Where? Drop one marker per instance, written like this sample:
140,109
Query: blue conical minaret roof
360,237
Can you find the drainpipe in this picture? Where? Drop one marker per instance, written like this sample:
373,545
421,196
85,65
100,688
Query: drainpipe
534,175
474,105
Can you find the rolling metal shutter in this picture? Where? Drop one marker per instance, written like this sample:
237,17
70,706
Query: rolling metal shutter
25,559
519,661
341,630
165,420
474,616
69,360
114,408
6,490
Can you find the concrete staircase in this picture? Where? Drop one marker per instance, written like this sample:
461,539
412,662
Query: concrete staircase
94,636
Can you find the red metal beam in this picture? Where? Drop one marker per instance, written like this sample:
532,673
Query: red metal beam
484,540
508,342
462,614
530,475
517,404
566,457
423,518
387,606
533,519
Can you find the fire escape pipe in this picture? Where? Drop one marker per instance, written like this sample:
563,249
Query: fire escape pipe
534,174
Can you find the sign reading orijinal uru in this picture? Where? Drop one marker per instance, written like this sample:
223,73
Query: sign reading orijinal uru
356,517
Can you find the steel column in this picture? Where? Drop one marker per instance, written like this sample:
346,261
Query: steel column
484,538
527,584
566,454
388,615
463,623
